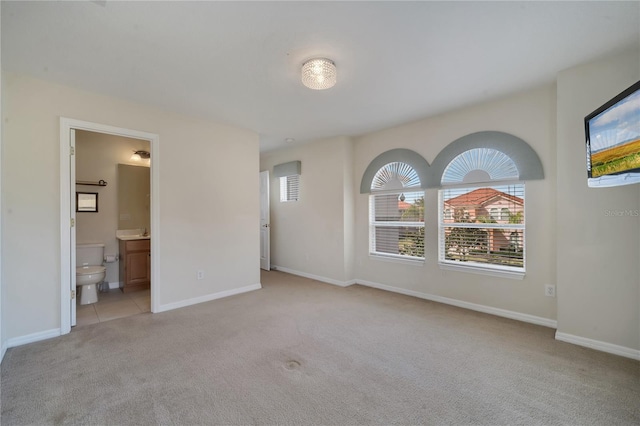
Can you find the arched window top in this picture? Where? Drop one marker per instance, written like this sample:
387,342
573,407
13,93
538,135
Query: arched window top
480,165
396,175
523,162
520,160
418,165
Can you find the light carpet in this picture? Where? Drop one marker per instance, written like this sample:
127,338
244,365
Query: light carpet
301,352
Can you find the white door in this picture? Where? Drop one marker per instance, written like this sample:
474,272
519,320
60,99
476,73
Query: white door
265,227
72,248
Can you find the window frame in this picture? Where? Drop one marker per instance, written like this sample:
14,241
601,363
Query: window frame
395,178
476,267
373,224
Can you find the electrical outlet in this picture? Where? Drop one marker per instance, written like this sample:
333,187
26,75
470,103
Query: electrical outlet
200,274
550,290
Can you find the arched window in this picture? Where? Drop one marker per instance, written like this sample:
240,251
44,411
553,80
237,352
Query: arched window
490,238
396,213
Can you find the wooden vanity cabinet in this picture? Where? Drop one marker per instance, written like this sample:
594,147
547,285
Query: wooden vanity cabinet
135,265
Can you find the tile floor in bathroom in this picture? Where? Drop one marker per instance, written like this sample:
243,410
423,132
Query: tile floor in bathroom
113,304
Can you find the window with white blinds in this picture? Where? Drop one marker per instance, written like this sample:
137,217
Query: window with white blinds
397,224
396,213
481,214
483,226
289,188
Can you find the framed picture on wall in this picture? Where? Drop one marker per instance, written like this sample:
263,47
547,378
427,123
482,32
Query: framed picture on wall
87,202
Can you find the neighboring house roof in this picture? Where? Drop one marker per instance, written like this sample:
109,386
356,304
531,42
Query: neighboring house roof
480,197
403,205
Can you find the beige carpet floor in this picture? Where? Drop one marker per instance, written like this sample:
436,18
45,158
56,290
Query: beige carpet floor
300,352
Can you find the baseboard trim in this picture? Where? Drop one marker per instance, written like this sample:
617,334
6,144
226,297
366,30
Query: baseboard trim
314,277
208,297
114,285
532,319
599,345
3,350
34,337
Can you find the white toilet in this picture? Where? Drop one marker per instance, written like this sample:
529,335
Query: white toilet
89,271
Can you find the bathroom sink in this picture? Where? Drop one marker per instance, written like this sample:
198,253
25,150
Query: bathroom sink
132,234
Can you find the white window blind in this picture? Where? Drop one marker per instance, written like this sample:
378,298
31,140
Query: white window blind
396,224
289,188
496,165
474,234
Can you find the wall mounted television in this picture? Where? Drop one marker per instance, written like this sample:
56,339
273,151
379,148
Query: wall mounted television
613,141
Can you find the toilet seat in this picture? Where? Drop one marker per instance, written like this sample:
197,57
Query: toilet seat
90,270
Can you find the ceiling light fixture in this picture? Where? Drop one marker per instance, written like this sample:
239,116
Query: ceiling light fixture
139,155
319,74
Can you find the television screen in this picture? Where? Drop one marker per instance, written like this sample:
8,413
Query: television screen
613,140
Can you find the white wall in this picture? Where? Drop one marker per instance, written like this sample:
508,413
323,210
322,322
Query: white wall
97,157
598,252
3,346
349,191
203,218
313,235
530,116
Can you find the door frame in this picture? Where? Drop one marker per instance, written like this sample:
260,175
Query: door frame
265,221
67,183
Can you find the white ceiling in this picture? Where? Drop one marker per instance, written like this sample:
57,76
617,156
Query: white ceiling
239,62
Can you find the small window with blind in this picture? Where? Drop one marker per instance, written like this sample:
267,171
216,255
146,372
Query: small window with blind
396,213
289,188
481,214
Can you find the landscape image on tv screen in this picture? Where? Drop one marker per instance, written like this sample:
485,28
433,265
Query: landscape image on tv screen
614,137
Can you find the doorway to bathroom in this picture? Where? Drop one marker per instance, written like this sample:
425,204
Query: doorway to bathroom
111,170
98,219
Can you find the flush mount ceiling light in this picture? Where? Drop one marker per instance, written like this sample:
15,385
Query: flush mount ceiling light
139,155
319,74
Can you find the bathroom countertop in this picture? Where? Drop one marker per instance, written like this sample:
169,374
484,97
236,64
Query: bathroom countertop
132,234
133,237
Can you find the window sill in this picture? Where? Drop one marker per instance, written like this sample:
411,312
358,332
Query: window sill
472,269
397,259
